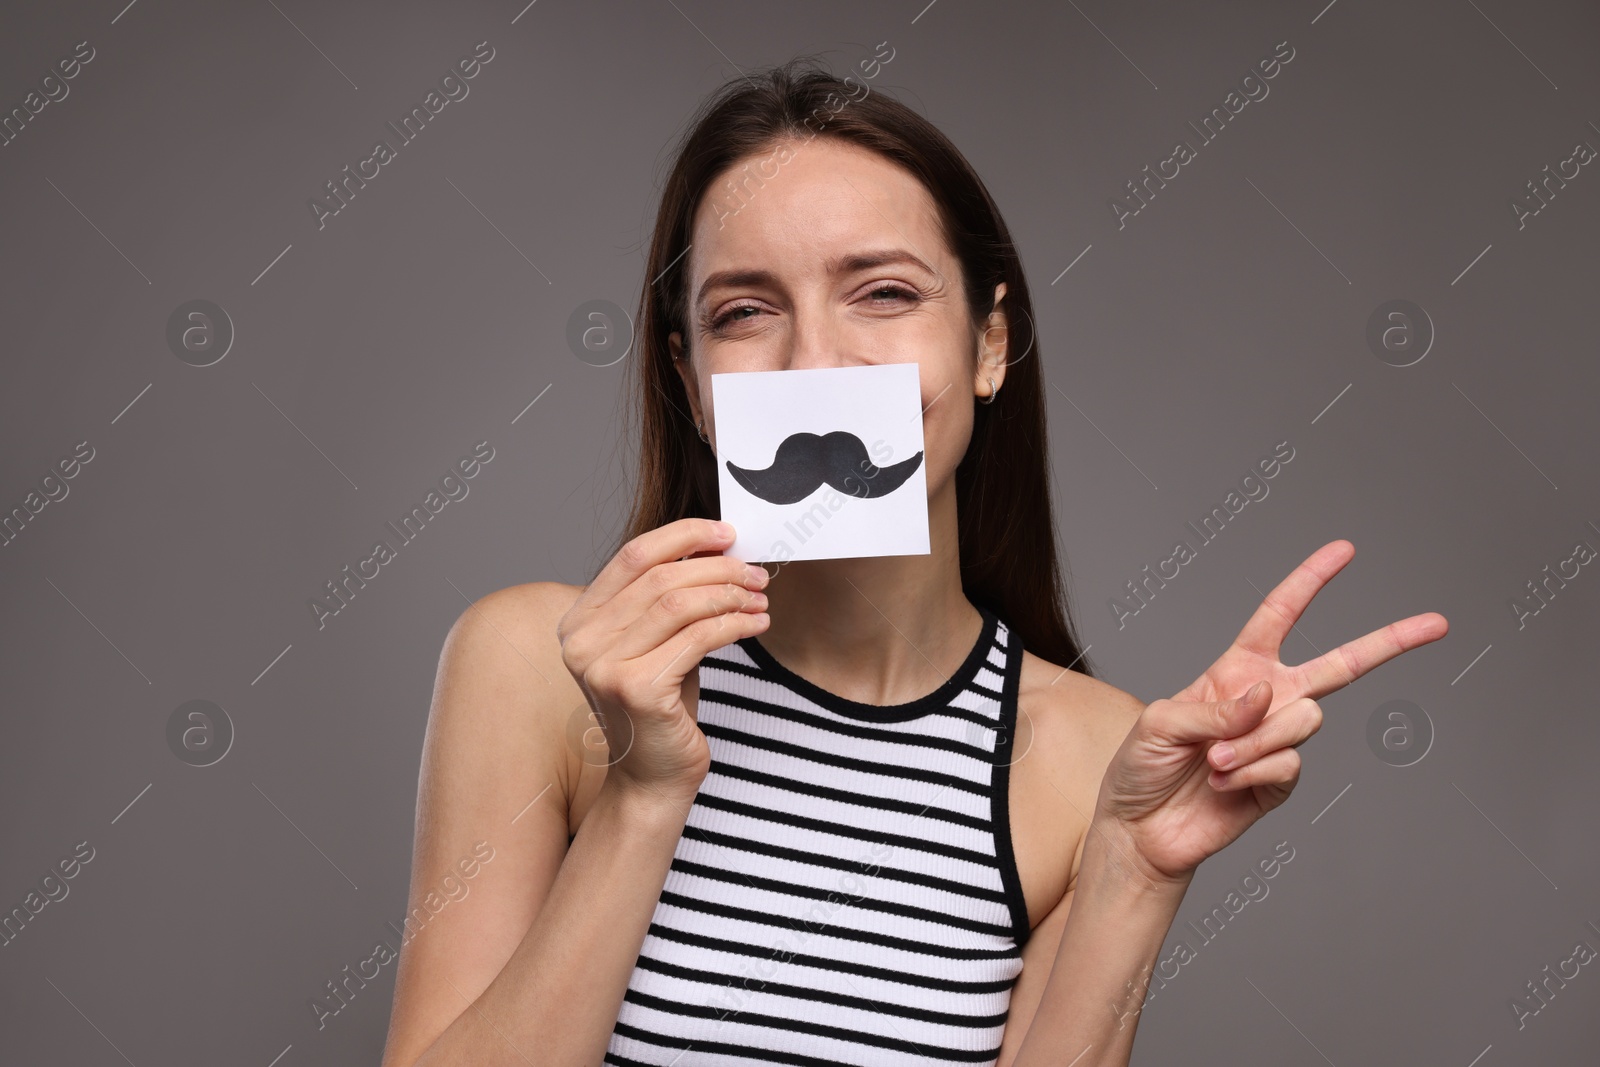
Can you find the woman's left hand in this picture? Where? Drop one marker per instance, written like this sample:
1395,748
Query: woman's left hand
1173,794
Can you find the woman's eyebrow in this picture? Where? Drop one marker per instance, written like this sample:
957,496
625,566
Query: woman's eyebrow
846,264
859,261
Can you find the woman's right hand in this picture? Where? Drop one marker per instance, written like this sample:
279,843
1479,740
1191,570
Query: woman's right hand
634,640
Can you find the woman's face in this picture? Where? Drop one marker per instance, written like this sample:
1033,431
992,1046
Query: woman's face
833,256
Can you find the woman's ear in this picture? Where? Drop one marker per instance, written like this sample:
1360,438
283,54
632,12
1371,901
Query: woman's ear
680,363
993,348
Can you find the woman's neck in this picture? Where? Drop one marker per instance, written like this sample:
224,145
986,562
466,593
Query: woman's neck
877,629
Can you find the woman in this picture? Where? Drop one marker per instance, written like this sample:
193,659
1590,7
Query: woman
869,811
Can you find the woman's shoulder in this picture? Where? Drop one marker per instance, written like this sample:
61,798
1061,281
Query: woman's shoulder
501,679
1073,707
506,641
512,629
530,609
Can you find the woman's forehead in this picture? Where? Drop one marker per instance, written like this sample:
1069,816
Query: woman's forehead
793,207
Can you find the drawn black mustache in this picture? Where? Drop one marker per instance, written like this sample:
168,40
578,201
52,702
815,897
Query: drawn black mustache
805,461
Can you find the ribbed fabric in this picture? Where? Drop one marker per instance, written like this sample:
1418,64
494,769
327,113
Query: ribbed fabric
844,891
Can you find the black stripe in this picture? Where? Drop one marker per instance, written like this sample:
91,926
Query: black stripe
823,996
779,922
861,867
844,729
886,907
984,690
825,963
796,1026
747,669
951,710
794,785
915,844
853,709
623,1061
1001,807
723,733
792,1058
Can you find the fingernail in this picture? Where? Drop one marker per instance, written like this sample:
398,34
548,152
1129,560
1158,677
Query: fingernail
1255,691
758,575
1224,755
724,529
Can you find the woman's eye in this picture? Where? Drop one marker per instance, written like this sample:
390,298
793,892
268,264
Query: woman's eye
878,296
893,293
734,315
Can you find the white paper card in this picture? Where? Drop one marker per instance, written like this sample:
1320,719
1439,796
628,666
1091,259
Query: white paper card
822,464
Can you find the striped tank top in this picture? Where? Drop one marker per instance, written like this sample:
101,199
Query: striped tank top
844,891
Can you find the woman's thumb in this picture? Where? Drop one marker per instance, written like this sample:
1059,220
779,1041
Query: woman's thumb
1183,722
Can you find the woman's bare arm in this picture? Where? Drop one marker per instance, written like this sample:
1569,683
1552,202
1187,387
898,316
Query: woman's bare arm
1069,734
531,964
1116,921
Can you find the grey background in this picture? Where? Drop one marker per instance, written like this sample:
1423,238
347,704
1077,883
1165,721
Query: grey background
1224,318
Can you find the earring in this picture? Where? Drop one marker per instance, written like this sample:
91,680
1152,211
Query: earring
992,392
701,431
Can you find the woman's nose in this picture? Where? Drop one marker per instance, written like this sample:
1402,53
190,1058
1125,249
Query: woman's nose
815,343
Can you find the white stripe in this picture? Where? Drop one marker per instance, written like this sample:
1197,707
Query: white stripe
858,853
659,1056
856,781
753,977
800,913
735,1023
951,727
821,941
891,754
872,820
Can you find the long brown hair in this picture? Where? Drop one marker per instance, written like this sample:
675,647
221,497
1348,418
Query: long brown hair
1006,525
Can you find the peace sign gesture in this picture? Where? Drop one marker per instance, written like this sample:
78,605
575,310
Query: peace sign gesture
1198,769
1253,656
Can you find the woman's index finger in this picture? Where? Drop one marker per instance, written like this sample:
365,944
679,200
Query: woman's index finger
1282,608
675,540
